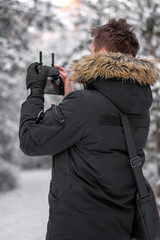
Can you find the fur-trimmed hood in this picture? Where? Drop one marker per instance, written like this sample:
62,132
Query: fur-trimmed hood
125,80
109,65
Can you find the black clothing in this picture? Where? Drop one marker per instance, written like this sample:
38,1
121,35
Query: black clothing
92,189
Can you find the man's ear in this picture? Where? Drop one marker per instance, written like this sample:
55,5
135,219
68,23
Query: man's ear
103,50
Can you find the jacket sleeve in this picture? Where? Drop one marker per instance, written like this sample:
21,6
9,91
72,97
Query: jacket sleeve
61,126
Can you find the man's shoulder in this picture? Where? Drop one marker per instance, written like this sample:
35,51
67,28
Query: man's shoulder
82,93
74,99
82,96
86,93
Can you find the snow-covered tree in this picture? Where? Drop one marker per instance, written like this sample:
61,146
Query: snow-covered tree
20,24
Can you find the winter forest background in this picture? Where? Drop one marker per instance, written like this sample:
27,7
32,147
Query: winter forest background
62,27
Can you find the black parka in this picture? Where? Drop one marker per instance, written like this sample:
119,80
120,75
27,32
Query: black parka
91,194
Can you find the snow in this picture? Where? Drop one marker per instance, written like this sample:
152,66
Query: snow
24,211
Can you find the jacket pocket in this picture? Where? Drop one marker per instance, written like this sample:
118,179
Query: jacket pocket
53,192
40,134
52,199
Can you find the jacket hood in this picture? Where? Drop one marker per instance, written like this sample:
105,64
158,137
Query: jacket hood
125,80
108,65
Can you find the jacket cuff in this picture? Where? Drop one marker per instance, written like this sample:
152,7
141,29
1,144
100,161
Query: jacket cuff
36,92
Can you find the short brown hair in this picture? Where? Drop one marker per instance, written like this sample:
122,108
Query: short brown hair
116,36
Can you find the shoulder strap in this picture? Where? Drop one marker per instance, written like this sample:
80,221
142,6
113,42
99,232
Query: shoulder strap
135,160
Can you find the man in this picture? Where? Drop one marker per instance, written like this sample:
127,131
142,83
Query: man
92,189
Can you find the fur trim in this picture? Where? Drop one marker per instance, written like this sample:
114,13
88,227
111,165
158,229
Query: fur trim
109,65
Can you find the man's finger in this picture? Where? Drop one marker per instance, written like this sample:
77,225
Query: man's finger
62,74
60,68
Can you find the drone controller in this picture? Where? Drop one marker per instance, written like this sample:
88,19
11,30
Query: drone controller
55,84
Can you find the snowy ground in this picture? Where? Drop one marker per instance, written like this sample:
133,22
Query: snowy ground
24,211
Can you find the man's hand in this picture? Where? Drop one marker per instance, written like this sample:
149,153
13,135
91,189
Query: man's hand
67,84
35,79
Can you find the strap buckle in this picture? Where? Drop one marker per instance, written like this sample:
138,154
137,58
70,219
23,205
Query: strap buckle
136,161
39,117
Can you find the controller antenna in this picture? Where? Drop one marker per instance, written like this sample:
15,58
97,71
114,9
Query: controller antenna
40,58
52,64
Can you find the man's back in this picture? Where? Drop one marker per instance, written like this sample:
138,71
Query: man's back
98,185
